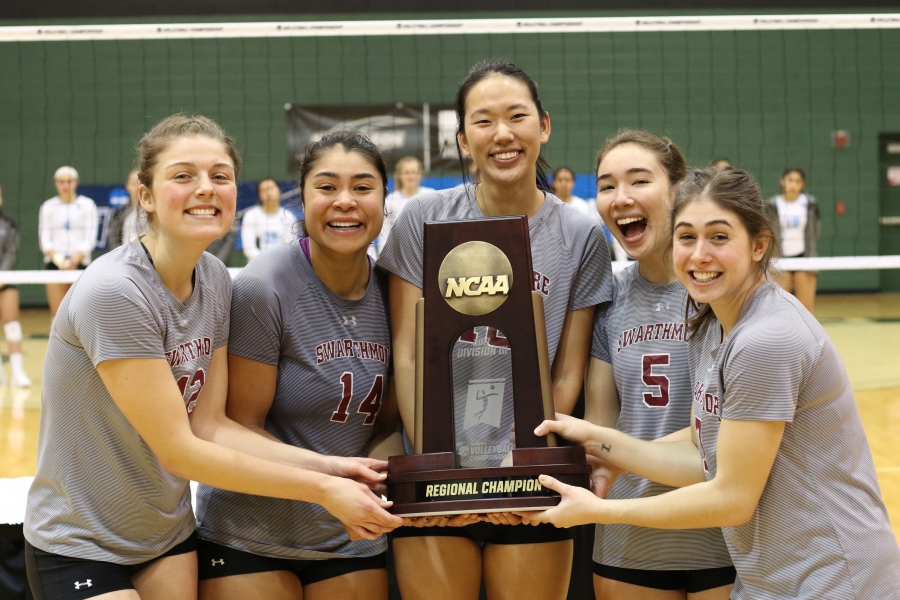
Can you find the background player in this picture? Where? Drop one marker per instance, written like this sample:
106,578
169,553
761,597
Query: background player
123,222
779,458
68,231
135,379
268,224
407,177
295,307
795,217
502,127
638,377
9,299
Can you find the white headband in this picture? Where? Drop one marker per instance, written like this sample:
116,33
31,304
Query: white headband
63,171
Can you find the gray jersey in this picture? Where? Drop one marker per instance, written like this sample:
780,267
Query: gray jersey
100,493
571,270
820,529
642,335
332,356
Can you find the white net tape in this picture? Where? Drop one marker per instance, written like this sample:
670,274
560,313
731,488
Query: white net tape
836,263
446,27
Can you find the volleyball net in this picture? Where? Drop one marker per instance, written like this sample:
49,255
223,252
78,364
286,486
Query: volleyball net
764,91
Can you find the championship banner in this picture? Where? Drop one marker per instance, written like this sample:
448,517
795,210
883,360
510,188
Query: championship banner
426,131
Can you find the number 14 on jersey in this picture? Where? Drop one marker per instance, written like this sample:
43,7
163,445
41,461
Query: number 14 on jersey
370,404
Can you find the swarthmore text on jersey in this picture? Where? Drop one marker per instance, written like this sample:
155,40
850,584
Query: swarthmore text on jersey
351,349
651,331
189,351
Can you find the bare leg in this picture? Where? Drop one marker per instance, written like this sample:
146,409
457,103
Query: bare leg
719,593
610,589
9,312
786,280
805,289
371,584
271,585
55,294
438,568
514,571
169,578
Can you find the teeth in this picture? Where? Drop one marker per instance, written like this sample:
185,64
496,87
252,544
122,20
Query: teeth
202,211
344,225
628,220
704,276
506,155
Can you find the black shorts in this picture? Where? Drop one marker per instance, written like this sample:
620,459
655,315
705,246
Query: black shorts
216,560
692,582
8,286
56,577
488,533
52,267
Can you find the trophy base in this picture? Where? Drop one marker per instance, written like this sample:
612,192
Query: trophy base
429,484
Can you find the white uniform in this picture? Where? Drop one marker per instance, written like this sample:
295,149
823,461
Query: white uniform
260,230
820,529
393,206
792,216
68,228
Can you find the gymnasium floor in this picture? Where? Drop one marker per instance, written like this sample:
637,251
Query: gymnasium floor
865,328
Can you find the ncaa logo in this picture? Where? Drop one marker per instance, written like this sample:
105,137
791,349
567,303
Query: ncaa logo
475,278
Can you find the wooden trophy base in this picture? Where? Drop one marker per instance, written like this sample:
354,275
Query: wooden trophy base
423,485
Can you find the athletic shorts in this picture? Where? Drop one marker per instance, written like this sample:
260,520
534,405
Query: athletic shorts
52,267
56,577
488,533
8,286
216,560
692,582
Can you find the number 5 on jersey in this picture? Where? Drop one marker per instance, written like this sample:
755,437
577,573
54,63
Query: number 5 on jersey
370,404
657,380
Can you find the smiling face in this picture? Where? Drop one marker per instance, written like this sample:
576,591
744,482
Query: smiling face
343,200
634,197
194,192
716,260
502,130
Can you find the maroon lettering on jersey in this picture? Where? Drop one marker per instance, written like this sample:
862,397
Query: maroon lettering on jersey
708,403
335,349
651,332
189,351
541,283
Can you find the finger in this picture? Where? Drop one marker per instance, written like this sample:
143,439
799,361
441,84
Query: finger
548,427
553,484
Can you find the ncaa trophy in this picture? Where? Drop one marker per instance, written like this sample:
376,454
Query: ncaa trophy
471,385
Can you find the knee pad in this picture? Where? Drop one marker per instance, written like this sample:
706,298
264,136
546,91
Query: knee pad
13,331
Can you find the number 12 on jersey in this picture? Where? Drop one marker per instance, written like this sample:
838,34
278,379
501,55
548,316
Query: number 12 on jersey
370,404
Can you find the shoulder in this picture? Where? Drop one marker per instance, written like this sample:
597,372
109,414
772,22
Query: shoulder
51,203
440,205
273,270
775,324
111,277
573,226
85,201
252,213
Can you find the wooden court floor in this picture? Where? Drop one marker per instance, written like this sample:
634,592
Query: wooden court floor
865,328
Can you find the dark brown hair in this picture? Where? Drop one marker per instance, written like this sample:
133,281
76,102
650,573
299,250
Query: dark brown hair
736,191
479,72
666,152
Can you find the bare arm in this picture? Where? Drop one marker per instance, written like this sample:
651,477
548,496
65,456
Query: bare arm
403,297
571,358
601,398
745,455
673,460
165,427
240,424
